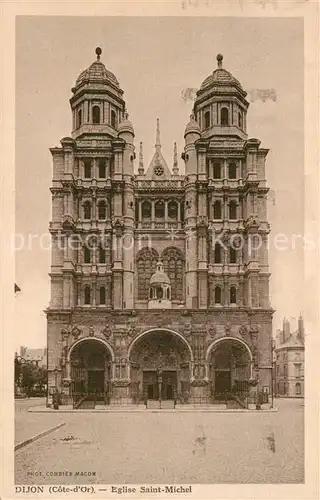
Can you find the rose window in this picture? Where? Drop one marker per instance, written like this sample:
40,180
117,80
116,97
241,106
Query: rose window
158,170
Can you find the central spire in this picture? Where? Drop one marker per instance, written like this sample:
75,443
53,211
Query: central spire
158,143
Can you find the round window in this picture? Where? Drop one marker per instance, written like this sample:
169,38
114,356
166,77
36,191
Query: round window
158,170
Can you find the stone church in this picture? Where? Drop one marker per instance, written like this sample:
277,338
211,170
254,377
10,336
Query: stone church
159,275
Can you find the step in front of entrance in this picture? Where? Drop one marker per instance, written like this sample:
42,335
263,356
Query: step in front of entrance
191,407
153,404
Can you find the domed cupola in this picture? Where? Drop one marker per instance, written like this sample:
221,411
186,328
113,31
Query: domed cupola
221,106
160,289
125,128
97,102
192,127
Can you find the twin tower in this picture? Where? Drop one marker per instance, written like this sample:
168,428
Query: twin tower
156,267
113,224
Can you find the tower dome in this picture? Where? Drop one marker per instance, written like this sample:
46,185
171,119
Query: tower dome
160,289
97,102
220,106
96,73
221,78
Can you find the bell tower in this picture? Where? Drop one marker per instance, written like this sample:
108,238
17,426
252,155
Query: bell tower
92,195
220,106
97,103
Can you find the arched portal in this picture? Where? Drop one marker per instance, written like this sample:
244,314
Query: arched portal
160,365
90,368
230,366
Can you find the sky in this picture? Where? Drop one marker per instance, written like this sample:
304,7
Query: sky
155,59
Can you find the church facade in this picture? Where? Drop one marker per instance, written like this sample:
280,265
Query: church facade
159,279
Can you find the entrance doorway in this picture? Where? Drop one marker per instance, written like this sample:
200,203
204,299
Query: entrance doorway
90,370
165,381
95,381
230,368
169,384
222,381
150,384
160,367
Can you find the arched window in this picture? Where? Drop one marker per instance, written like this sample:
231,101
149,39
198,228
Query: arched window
217,295
224,116
159,210
102,168
172,210
113,118
79,118
173,263
102,255
233,255
217,253
146,210
87,210
232,167
240,120
207,119
298,389
217,211
102,210
182,211
233,295
86,255
147,260
102,295
96,114
87,168
233,210
87,295
217,170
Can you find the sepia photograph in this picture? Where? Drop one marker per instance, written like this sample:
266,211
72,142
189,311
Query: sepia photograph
160,317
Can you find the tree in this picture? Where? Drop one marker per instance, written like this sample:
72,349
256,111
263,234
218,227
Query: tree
42,377
17,371
29,377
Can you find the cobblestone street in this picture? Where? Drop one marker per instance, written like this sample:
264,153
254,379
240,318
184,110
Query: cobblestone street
29,424
172,447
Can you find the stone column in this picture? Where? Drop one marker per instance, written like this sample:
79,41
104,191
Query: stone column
152,213
78,293
166,213
140,212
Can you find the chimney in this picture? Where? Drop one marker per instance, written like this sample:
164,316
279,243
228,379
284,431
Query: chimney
300,329
286,330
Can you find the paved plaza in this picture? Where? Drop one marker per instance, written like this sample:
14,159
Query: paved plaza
154,447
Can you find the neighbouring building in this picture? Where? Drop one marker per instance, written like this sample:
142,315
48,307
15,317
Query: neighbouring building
159,276
37,356
289,361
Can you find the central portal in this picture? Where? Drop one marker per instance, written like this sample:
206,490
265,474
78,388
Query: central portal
160,384
160,367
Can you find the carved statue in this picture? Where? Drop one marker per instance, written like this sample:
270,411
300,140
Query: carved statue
211,329
243,330
91,331
227,329
132,330
65,332
187,329
107,331
75,332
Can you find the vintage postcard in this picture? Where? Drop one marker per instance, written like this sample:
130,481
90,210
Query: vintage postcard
160,259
